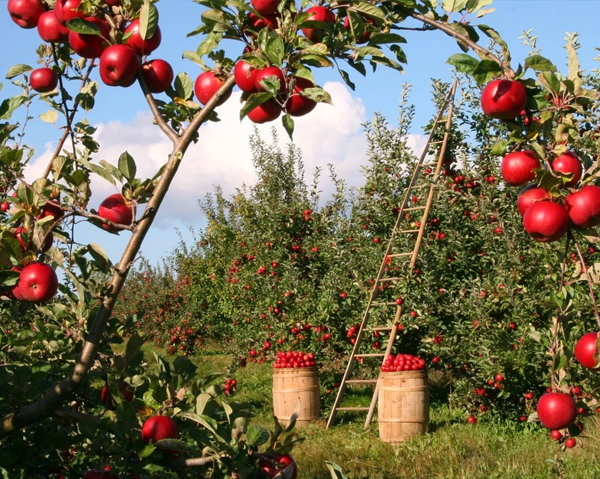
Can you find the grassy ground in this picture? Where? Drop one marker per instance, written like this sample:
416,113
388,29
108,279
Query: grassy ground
452,449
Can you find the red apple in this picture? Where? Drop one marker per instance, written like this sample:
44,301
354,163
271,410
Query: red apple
298,105
90,46
66,10
265,7
258,23
98,474
583,207
546,221
556,410
317,14
366,35
113,3
503,99
281,466
158,75
106,396
585,350
569,164
117,209
531,195
20,231
141,46
38,282
15,292
51,208
518,167
119,65
245,76
157,428
206,86
267,72
267,111
25,13
50,29
43,80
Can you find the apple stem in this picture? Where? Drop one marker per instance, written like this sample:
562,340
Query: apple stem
584,267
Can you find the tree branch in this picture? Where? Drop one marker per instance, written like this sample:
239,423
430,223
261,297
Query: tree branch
52,400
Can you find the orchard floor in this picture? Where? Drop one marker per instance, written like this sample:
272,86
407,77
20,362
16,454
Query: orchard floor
452,449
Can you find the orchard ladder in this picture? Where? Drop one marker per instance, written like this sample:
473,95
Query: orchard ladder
382,277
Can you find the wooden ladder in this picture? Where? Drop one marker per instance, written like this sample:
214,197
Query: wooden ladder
382,277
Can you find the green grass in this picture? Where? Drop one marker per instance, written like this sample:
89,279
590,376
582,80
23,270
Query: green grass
451,450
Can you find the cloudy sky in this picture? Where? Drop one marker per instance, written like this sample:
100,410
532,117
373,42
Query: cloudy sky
330,134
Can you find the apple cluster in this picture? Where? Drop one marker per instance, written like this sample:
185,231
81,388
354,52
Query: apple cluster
545,216
294,359
229,387
120,52
402,362
279,466
106,397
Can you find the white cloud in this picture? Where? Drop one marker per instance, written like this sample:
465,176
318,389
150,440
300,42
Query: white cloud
222,156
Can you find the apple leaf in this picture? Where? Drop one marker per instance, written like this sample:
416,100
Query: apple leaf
257,435
485,71
347,80
463,63
184,88
133,347
275,49
148,20
112,171
454,5
253,101
17,70
147,451
8,106
539,64
474,5
288,123
384,38
369,10
51,116
83,27
127,166
101,259
335,470
499,148
494,35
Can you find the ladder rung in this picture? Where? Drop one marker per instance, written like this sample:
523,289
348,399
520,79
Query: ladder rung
420,187
380,328
382,280
362,381
413,208
398,255
369,355
393,303
408,231
429,164
352,408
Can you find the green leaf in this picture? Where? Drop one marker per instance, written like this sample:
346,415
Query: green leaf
127,166
133,347
485,71
194,57
8,106
384,38
253,101
454,5
463,63
275,49
17,70
184,86
347,80
147,451
51,116
101,259
288,124
494,35
148,19
369,10
335,470
474,5
257,435
499,148
84,27
539,64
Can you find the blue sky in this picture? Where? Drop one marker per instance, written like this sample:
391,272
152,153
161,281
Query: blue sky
124,123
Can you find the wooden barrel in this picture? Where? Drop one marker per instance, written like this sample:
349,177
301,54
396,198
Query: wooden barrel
403,406
292,386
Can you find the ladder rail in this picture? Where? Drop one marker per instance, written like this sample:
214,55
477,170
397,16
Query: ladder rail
448,104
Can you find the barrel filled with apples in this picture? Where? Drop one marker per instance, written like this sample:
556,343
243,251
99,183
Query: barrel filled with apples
296,386
403,402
